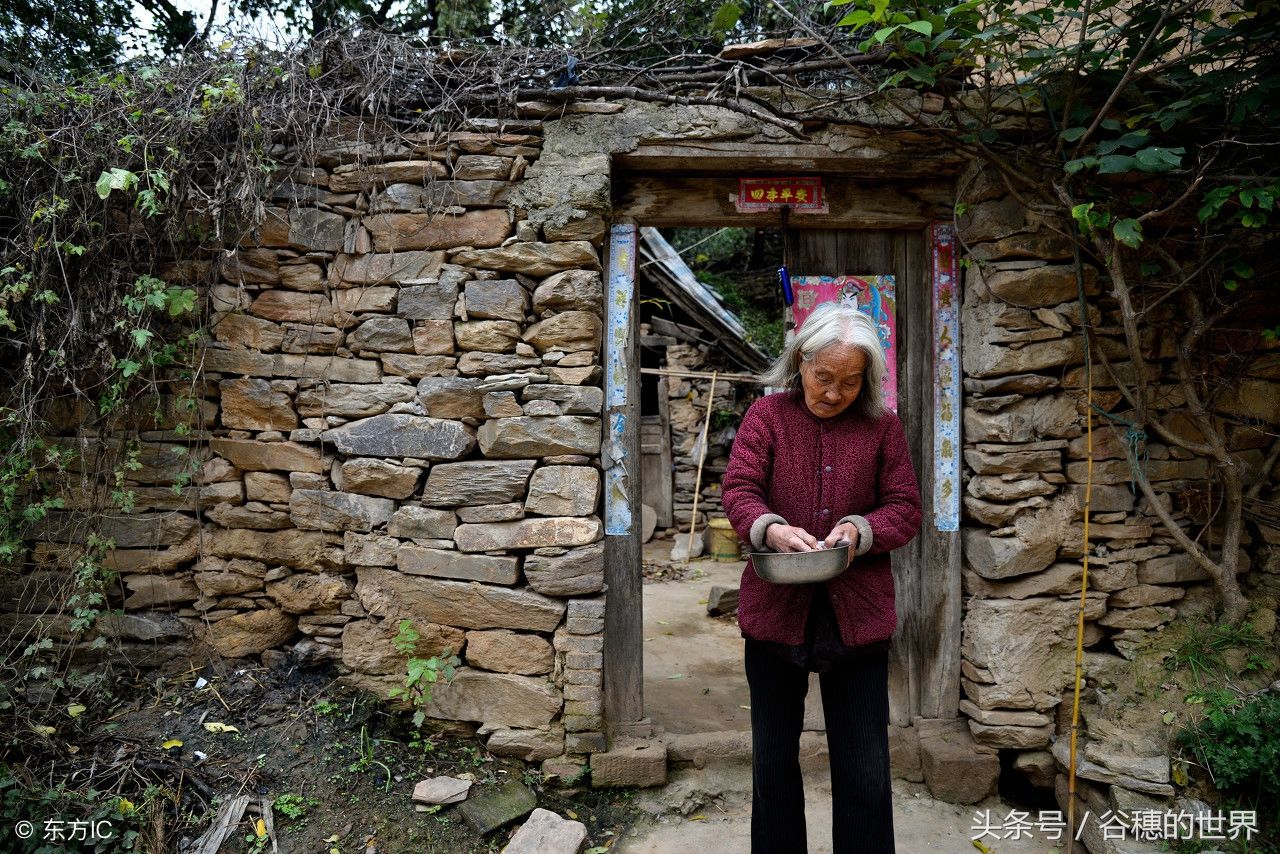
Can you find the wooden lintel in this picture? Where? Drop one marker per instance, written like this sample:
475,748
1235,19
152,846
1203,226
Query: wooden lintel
669,200
881,156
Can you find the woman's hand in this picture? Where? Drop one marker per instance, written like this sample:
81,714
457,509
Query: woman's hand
788,538
844,531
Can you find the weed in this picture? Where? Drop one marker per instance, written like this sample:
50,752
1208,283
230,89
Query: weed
474,757
257,844
294,807
367,759
421,673
423,742
1203,645
325,708
1215,700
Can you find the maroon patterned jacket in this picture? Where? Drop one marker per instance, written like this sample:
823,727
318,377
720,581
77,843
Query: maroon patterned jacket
789,465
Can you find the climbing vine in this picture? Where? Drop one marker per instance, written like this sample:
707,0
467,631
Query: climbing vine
1148,133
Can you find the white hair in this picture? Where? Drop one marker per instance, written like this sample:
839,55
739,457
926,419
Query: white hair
834,323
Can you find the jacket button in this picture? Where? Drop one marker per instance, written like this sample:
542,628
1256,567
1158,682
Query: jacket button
826,512
828,468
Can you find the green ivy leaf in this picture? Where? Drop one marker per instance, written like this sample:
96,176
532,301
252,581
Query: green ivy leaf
180,301
882,35
1128,232
726,18
1115,163
856,18
1129,140
1213,202
115,179
922,74
1073,166
1157,159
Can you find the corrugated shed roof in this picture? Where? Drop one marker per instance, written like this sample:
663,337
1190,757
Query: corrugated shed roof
662,265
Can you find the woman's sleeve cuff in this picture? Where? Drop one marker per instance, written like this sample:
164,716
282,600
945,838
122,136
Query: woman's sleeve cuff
864,533
759,526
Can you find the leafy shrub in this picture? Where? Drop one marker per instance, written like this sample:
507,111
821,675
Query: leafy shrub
420,673
1240,747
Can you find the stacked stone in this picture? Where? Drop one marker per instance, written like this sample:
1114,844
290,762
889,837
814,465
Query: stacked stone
580,661
687,401
1027,462
403,410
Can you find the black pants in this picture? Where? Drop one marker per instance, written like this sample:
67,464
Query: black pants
855,701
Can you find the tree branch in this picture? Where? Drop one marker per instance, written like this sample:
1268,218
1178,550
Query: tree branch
1133,343
1273,456
1224,577
208,25
1129,72
576,93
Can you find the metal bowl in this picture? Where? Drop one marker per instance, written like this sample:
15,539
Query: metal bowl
801,567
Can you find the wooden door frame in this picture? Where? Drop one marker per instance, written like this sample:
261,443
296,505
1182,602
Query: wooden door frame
699,195
663,511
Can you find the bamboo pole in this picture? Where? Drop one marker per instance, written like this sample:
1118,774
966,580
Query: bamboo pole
700,375
697,481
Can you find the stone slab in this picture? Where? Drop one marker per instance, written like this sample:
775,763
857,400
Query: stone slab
489,811
395,595
402,435
547,833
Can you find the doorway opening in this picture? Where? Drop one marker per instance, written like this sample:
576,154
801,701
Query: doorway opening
692,670
709,307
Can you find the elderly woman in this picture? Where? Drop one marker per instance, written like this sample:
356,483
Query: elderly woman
822,463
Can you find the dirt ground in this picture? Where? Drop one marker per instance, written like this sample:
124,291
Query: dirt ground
158,755
157,758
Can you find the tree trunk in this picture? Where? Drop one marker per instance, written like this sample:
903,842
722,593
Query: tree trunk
1222,571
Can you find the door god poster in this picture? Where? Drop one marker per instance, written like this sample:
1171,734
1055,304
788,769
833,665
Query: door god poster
874,295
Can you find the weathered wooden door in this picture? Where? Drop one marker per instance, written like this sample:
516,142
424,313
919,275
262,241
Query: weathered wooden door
655,464
924,663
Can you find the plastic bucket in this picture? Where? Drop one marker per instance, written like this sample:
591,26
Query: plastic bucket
724,540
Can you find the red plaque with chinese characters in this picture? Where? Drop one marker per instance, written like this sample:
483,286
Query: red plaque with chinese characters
764,194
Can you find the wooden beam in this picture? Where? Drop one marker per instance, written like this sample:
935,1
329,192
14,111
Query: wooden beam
871,154
681,200
623,630
700,375
940,603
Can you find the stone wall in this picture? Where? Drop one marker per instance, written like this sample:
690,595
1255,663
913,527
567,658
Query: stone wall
1026,464
399,416
401,397
687,400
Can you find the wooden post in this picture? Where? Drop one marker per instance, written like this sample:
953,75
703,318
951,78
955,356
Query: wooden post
697,481
940,603
620,458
